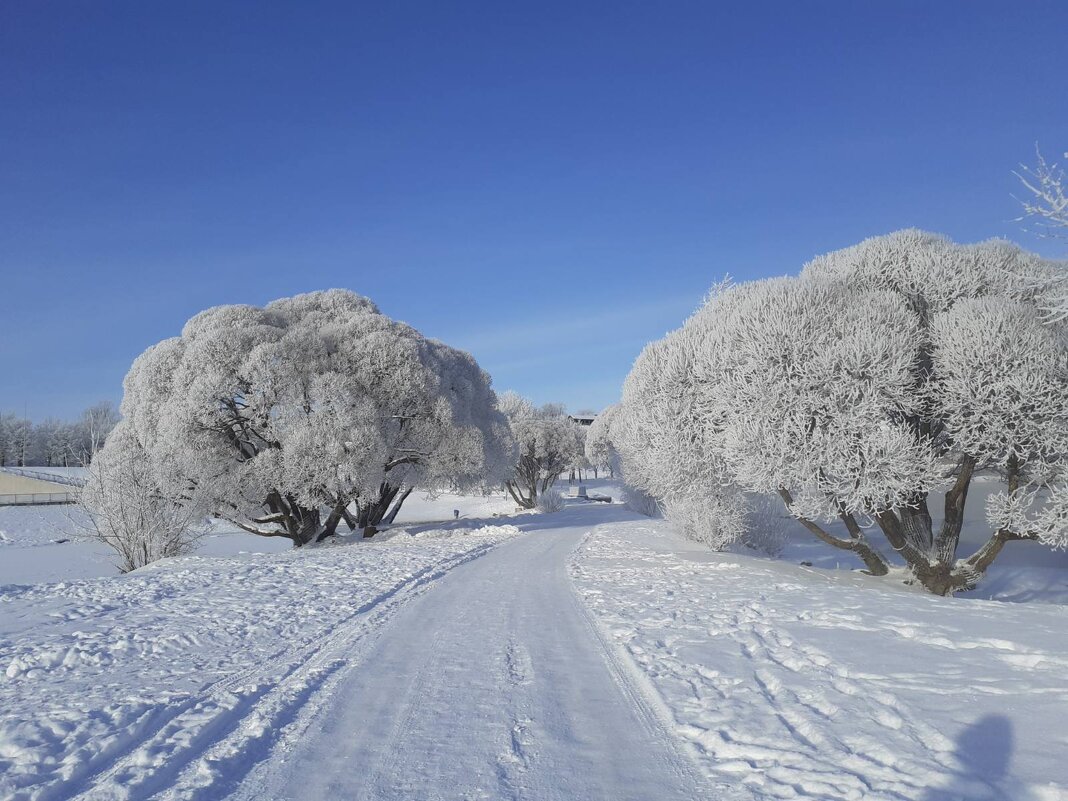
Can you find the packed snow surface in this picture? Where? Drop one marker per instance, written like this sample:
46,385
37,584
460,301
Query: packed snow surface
585,654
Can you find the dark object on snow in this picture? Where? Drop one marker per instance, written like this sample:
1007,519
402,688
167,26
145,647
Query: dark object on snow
806,564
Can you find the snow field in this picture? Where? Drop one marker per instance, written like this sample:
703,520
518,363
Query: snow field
51,543
179,675
796,683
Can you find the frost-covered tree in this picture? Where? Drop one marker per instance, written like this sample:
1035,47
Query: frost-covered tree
548,443
579,463
1047,205
96,424
131,512
311,410
1047,199
600,450
17,442
55,444
888,372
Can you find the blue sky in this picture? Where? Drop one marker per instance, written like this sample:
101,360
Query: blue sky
549,185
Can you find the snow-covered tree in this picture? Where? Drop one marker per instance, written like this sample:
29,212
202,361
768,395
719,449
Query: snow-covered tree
1047,205
56,443
548,443
600,450
579,463
889,371
1047,200
312,410
96,424
130,511
17,440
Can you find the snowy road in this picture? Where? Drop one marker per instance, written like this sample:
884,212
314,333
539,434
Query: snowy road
595,656
494,685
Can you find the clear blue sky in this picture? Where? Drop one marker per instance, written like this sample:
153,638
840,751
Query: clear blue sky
549,185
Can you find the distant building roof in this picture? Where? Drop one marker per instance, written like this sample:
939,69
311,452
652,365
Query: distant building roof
582,419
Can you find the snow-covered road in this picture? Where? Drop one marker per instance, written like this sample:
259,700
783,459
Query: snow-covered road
494,685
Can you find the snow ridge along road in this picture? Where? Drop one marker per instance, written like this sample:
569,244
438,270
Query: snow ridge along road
495,685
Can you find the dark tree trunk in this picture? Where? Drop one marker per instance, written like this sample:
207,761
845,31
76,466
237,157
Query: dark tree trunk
874,562
337,514
525,501
397,506
372,512
935,566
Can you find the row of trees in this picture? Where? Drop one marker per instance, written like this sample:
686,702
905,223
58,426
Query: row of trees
55,443
884,376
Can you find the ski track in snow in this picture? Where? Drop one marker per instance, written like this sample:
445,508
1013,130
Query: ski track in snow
796,686
103,681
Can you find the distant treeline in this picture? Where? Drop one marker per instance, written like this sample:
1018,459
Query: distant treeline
55,443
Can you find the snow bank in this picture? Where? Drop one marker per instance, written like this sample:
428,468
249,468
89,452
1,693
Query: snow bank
182,673
797,683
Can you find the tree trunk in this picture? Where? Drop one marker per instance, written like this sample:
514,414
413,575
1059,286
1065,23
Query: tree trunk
337,514
525,501
374,510
936,567
397,505
874,562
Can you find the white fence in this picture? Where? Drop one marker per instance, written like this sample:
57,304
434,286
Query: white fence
38,498
44,475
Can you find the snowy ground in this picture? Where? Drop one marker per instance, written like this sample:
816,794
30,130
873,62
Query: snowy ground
50,543
797,683
179,676
589,653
